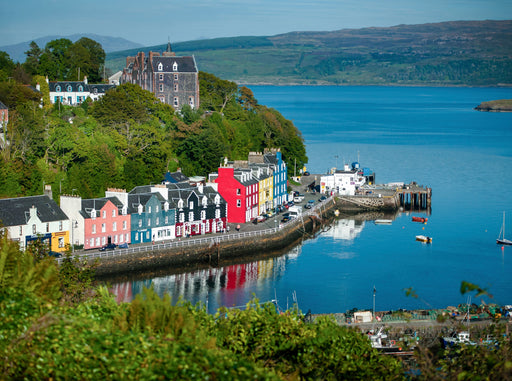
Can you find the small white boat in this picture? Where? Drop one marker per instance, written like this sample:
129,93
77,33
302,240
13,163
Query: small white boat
424,238
382,221
381,342
501,239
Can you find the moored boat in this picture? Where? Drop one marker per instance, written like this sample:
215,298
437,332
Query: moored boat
380,342
383,221
501,239
419,219
424,238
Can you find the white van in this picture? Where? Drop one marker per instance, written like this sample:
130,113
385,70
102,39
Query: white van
294,211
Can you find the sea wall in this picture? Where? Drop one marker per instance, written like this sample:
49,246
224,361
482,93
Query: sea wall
211,252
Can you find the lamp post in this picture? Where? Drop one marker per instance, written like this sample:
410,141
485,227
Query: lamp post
374,291
336,157
74,224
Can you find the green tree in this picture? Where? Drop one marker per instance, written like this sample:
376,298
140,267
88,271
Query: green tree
87,57
6,66
200,154
54,61
31,64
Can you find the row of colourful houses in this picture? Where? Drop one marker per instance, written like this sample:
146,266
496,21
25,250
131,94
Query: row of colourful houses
177,208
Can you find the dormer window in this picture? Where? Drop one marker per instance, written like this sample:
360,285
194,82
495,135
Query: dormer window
80,88
58,89
205,201
217,199
175,66
180,204
69,89
160,67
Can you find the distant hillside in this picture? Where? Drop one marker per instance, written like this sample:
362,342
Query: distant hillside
477,53
109,44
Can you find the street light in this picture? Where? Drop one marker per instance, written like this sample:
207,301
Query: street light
336,157
74,224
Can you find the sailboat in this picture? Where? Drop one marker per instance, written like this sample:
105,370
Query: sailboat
501,239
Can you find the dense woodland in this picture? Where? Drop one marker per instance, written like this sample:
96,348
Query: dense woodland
127,138
55,323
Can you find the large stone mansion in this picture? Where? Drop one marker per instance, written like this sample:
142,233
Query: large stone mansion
174,80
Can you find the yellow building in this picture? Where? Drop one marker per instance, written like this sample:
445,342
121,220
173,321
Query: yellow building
265,177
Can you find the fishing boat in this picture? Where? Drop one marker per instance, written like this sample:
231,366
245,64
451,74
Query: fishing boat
424,238
419,219
380,341
501,239
461,337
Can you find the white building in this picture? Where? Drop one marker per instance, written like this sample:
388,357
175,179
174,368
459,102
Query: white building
76,92
343,182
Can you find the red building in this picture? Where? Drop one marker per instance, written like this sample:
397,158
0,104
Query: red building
240,191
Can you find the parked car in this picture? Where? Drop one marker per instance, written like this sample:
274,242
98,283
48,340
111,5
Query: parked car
123,245
55,254
310,204
298,198
285,219
323,198
261,218
306,173
108,246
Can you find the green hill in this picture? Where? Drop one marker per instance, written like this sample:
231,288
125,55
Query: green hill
476,53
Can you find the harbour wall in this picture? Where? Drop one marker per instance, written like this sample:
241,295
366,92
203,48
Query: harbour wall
211,251
214,249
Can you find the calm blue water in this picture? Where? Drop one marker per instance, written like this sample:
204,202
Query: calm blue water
428,135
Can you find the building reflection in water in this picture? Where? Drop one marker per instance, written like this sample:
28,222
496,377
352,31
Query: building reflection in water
225,286
230,286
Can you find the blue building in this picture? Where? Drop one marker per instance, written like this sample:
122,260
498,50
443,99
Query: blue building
274,157
152,218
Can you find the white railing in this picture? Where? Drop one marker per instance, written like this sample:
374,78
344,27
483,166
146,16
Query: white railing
211,240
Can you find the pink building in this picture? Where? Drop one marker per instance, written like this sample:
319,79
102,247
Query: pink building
105,221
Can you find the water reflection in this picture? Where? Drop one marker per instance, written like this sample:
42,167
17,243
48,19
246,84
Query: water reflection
345,229
229,286
233,285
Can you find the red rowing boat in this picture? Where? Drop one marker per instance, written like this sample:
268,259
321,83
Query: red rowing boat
419,219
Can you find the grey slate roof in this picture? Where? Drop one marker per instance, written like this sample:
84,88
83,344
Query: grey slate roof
16,211
185,64
97,203
100,88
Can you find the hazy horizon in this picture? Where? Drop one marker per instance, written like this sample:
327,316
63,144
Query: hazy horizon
156,23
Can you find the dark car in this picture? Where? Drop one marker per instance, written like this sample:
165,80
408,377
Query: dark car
306,173
55,254
108,246
285,219
323,198
123,245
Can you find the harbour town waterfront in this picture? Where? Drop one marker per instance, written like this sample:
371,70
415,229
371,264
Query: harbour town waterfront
429,135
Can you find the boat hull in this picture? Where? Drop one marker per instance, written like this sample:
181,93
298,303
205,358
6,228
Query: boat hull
420,219
423,238
504,241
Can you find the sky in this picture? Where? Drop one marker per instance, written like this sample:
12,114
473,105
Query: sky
154,22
